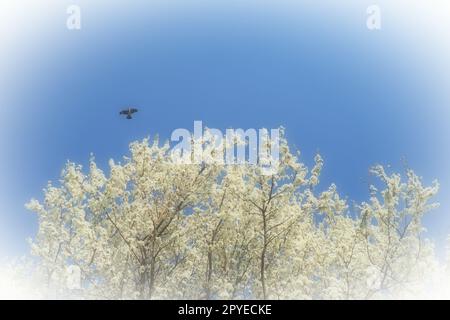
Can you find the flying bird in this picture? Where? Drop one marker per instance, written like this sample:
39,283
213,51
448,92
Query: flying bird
128,112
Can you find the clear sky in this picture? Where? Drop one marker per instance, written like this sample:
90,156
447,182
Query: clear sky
359,97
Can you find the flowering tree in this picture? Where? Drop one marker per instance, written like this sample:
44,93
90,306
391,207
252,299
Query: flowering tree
155,228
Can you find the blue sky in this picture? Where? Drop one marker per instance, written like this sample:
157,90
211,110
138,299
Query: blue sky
359,97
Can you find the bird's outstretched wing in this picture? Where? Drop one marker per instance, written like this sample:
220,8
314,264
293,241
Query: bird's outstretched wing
133,110
124,112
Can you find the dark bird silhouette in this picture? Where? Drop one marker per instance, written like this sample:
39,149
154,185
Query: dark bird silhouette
128,112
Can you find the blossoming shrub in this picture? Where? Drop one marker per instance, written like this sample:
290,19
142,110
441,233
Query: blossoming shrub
155,229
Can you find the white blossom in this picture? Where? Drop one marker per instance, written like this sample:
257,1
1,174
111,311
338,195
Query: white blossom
155,228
